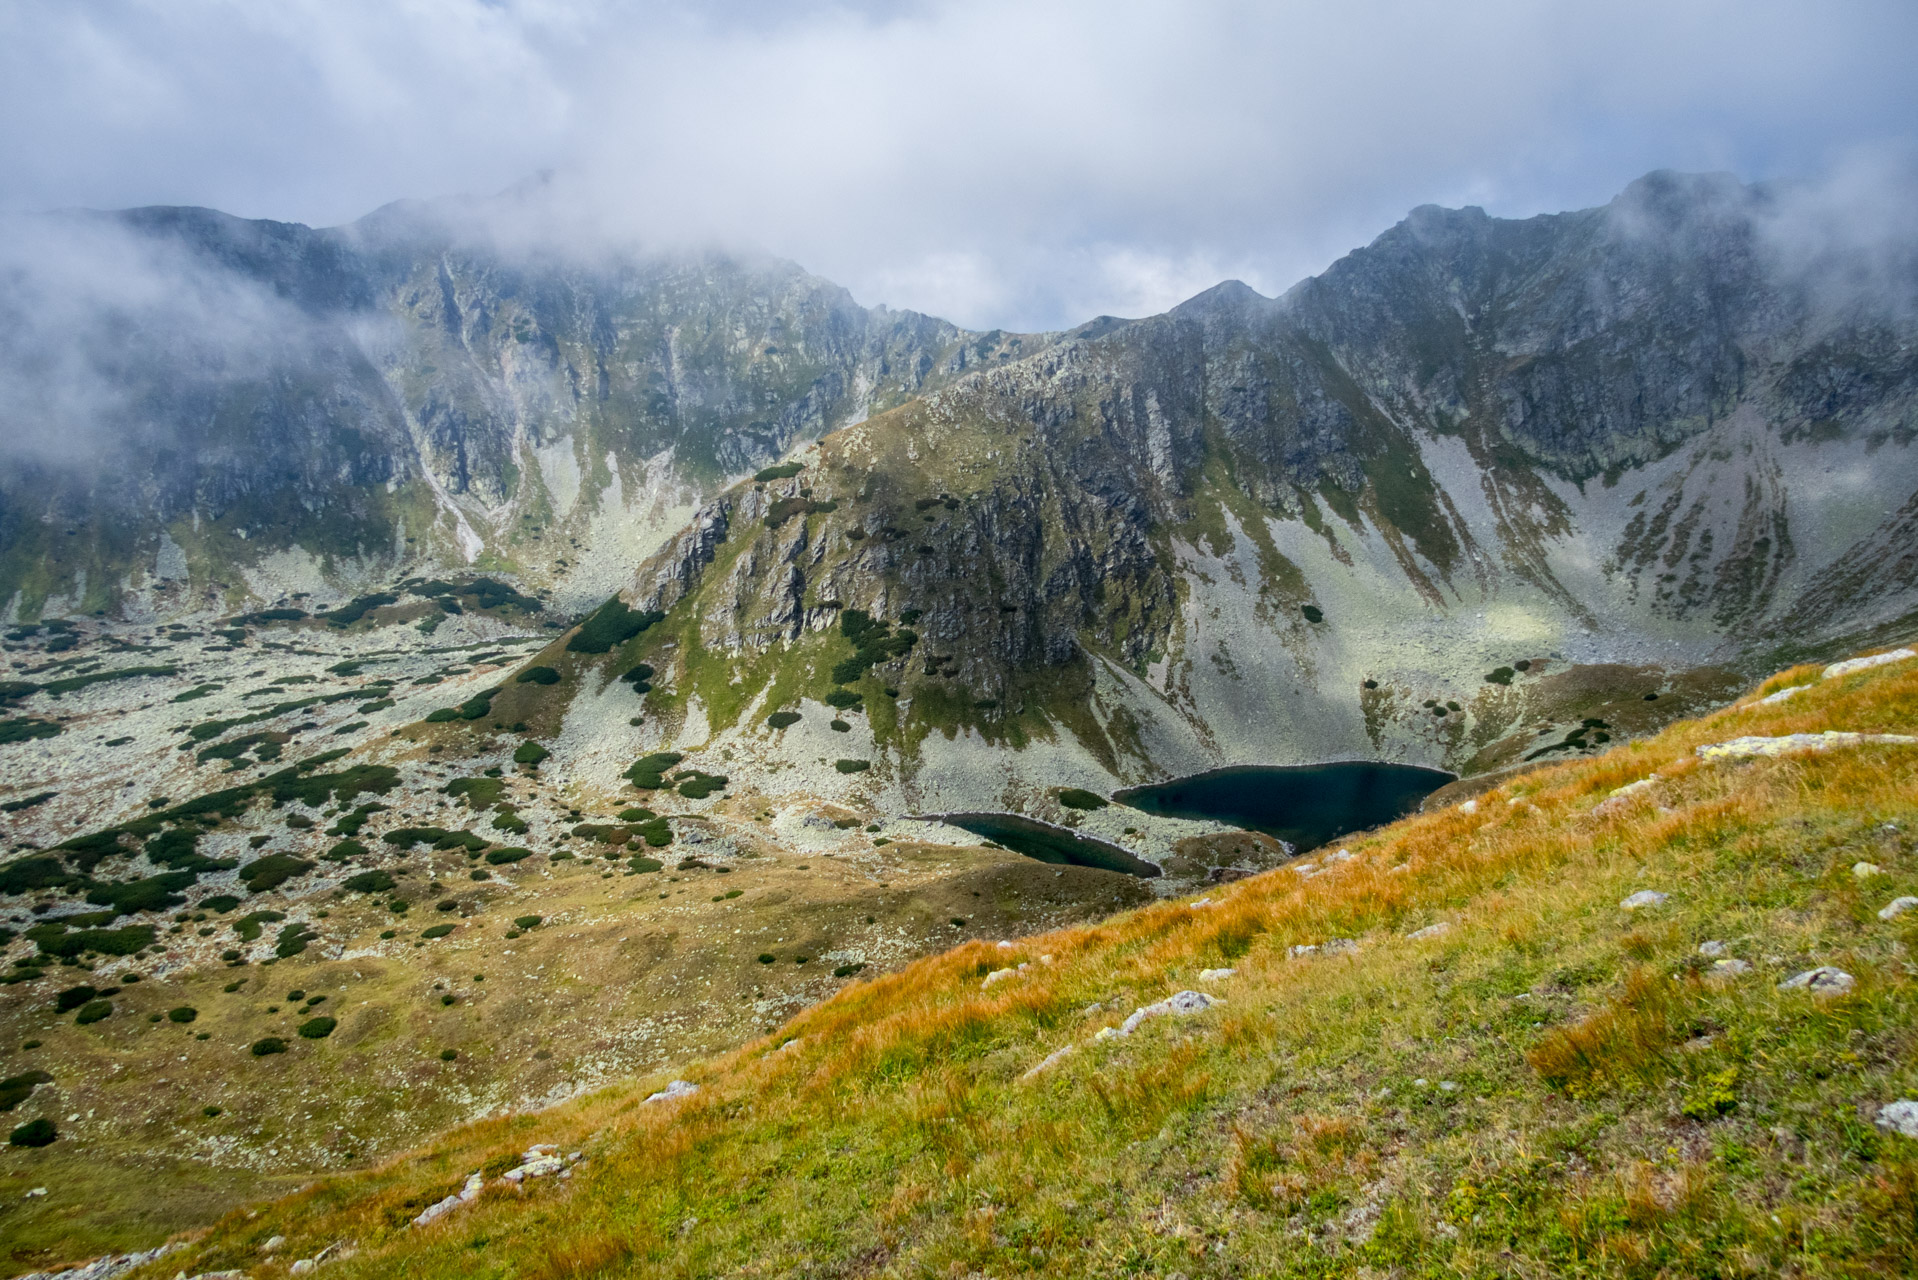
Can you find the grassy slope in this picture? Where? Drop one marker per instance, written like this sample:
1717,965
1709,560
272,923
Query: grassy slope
1285,1133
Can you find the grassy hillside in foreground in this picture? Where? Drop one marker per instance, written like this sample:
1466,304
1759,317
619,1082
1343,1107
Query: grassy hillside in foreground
1552,1085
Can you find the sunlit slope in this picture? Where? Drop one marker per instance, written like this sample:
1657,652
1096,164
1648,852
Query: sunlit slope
1551,1084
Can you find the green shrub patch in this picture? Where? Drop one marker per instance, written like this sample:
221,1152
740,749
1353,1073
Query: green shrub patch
15,1090
268,1046
1078,798
155,893
344,851
610,625
1500,675
784,471
695,785
500,857
530,752
34,1133
438,837
27,802
443,715
437,931
480,793
637,814
183,1014
647,772
26,729
53,939
874,643
273,871
844,699
852,766
253,924
72,998
780,719
644,864
317,1028
537,675
293,940
31,874
93,1011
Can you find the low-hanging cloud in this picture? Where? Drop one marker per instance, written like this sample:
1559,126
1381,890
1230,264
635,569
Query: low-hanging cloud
1000,162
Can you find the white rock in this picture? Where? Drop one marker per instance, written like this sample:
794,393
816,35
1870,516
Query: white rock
1822,981
1392,871
437,1210
1343,855
1783,695
1624,796
677,1089
1643,898
1005,946
475,1183
1469,806
1726,969
36,1192
1050,1060
1186,1002
1787,744
1430,930
1897,907
1900,1117
302,1266
1305,868
1216,975
1449,1086
1107,1033
1866,870
1712,948
996,975
272,1244
1202,902
1865,664
1302,949
1340,946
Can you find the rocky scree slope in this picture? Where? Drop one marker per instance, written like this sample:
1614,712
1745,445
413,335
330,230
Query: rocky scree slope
1481,485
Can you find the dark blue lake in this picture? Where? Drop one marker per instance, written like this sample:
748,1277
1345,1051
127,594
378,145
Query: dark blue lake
1048,843
1304,805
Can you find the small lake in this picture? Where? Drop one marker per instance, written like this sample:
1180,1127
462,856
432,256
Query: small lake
1304,805
1060,846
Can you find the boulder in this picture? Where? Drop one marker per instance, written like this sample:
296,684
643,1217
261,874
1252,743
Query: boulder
1180,1005
1865,664
1900,1117
1822,981
1642,899
1897,907
677,1089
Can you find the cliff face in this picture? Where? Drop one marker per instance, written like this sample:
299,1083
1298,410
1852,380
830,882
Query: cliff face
402,393
1633,438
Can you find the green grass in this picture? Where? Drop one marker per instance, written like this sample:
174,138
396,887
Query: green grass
1552,1086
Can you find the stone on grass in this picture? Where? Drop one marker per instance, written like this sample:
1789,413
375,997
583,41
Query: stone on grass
1783,695
1050,1060
676,1089
1430,930
1865,664
1643,898
1186,1002
1216,975
1790,743
1897,907
1624,796
1712,948
1866,870
1900,1117
1822,981
1723,970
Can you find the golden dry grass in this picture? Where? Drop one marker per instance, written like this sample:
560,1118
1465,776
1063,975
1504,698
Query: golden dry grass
1285,1133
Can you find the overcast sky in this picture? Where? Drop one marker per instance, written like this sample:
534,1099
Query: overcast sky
1012,163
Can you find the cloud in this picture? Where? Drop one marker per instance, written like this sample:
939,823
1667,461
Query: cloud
110,341
1016,164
